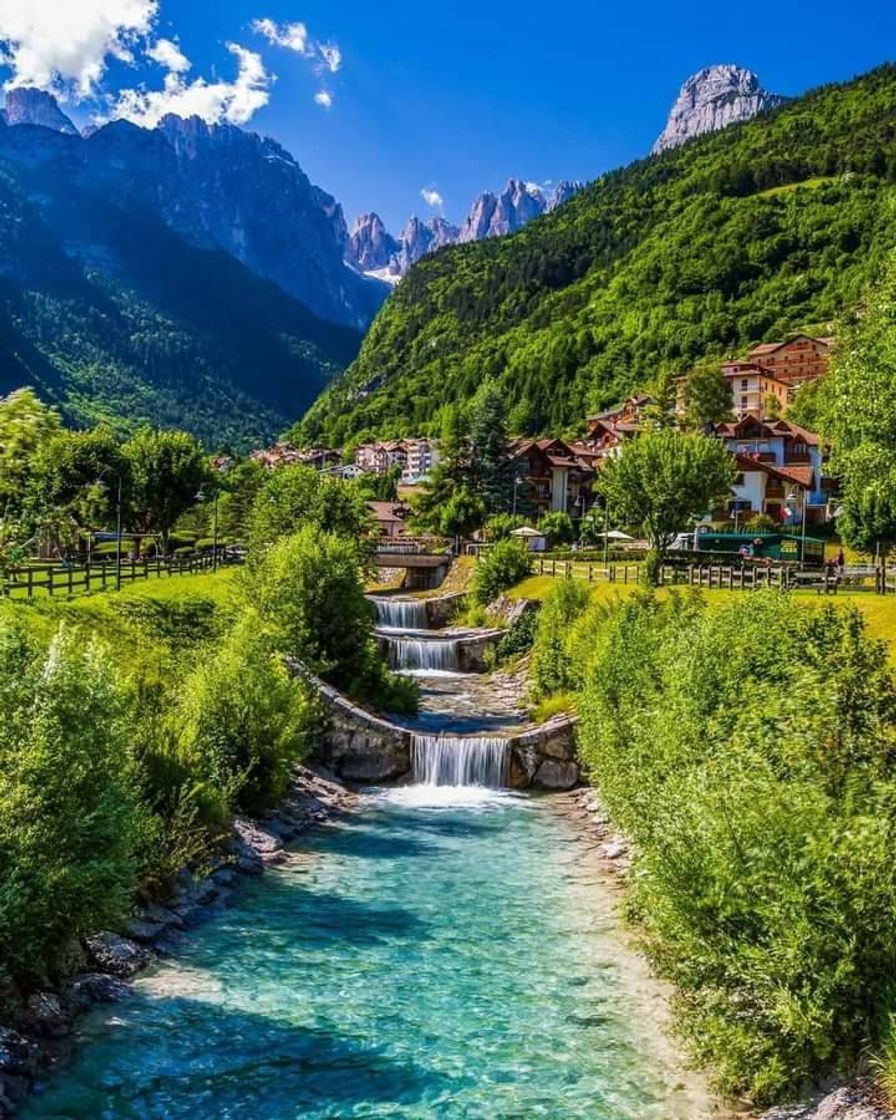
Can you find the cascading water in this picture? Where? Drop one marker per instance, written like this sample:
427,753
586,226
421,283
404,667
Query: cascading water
442,760
433,655
401,614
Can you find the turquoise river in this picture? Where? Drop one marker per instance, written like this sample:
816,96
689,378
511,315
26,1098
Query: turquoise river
443,953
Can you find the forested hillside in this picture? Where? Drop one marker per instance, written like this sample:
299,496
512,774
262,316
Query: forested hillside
739,236
112,315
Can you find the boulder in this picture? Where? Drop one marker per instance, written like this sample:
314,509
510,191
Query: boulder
98,987
19,1056
554,775
47,1016
110,952
524,763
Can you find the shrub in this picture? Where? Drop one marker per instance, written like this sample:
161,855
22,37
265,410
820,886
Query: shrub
558,527
242,720
518,637
70,819
308,590
501,525
292,498
748,752
504,565
553,667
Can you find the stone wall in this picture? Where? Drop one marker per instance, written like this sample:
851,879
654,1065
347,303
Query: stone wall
441,609
545,756
364,748
472,651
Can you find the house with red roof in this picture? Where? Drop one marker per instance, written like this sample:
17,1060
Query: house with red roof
550,477
780,468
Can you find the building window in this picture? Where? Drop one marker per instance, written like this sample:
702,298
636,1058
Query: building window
744,384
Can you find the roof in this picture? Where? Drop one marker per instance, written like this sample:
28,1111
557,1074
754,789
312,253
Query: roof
766,429
771,347
799,476
388,511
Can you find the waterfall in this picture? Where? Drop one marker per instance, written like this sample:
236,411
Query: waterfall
438,654
401,614
441,760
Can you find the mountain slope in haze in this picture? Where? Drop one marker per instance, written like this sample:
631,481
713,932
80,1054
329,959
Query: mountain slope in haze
735,237
140,326
118,299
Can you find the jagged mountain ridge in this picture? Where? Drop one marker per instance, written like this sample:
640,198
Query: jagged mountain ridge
712,99
120,297
218,185
371,250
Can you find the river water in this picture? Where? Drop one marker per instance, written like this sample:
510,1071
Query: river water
445,953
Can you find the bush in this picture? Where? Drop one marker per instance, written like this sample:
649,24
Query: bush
70,818
553,666
242,720
504,565
292,498
748,752
558,527
308,590
518,637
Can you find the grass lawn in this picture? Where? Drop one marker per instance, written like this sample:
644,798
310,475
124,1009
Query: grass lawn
879,610
106,613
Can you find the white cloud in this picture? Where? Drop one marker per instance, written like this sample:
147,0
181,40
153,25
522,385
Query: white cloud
324,99
432,198
332,56
64,46
292,36
234,101
168,54
296,37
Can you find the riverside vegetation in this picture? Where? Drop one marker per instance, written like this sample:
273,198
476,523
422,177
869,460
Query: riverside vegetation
133,726
748,750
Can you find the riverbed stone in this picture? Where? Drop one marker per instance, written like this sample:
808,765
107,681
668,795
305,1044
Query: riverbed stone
19,1056
120,956
524,763
47,1016
98,987
553,775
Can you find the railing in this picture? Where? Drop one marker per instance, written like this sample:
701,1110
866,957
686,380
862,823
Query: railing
726,577
26,582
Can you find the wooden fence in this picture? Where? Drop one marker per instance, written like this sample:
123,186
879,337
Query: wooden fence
26,582
729,577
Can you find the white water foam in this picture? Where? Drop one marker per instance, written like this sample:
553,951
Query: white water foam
438,655
443,760
401,614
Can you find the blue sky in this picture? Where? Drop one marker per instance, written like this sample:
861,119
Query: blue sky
456,98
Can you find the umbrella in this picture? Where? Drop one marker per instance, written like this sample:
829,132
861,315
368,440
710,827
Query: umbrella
617,535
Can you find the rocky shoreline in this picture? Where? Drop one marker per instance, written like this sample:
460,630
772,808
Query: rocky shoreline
611,849
108,961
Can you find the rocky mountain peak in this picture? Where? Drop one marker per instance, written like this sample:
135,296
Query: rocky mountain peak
491,215
369,246
34,106
563,192
712,99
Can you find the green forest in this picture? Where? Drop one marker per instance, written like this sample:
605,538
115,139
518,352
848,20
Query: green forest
745,235
113,317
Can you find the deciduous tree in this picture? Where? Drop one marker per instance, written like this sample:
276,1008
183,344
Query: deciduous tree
661,481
